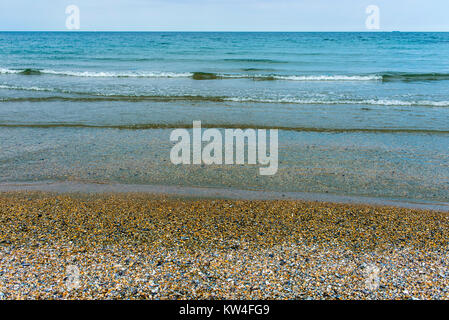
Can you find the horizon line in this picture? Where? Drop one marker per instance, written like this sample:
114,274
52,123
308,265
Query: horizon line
237,31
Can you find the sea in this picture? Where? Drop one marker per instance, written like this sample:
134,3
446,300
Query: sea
360,115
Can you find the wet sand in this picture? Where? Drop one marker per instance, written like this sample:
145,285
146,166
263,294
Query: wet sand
139,246
71,187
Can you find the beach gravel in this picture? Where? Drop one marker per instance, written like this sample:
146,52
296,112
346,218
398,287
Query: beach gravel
135,246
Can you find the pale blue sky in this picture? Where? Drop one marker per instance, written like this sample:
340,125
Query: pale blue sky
225,15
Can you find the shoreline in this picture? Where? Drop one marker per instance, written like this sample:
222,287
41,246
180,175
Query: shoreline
187,192
137,246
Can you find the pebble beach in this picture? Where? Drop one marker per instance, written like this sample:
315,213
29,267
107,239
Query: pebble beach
138,246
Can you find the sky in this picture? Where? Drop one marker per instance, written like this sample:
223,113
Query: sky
224,15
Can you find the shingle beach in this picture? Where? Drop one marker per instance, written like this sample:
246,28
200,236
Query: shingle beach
135,246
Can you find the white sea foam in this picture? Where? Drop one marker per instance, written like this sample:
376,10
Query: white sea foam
290,100
161,74
8,87
106,74
9,71
118,74
379,102
330,78
373,77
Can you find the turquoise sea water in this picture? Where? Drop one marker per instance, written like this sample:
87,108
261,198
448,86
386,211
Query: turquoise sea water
363,114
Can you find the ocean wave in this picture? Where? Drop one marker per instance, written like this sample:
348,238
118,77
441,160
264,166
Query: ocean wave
414,77
93,97
249,60
424,103
329,78
8,87
383,76
113,98
118,74
214,76
193,75
378,102
93,74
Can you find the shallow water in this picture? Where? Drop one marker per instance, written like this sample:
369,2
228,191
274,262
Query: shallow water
362,114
